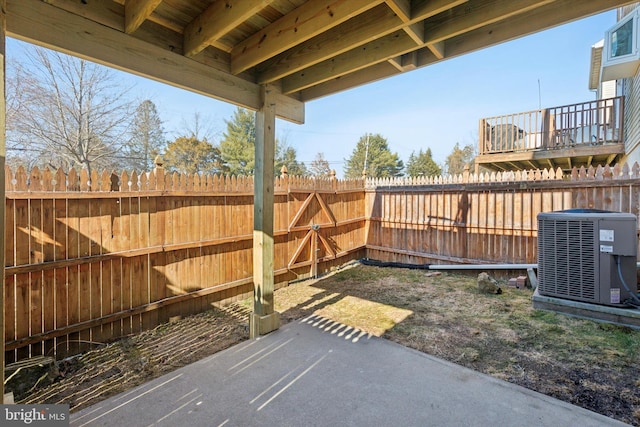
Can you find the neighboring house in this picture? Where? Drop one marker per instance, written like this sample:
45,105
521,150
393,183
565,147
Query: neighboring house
618,71
604,131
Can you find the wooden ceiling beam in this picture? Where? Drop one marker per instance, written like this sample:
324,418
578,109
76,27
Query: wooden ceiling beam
409,61
475,14
416,32
110,14
402,8
367,75
376,72
539,19
217,20
375,23
372,52
46,25
305,22
438,49
136,12
362,29
422,9
379,50
396,62
406,62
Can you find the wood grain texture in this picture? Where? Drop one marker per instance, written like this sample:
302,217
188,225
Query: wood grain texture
123,261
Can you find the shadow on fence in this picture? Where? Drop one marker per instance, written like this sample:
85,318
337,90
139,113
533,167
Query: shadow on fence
91,259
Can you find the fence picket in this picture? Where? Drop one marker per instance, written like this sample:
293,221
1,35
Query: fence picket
139,248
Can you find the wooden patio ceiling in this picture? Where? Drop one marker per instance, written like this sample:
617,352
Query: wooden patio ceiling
304,49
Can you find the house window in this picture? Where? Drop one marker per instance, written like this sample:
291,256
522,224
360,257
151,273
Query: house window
621,56
622,40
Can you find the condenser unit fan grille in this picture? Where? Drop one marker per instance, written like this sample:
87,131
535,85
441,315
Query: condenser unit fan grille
567,258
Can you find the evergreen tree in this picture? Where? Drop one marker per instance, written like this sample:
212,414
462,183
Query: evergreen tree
373,151
422,164
147,137
460,157
287,156
237,148
320,166
191,155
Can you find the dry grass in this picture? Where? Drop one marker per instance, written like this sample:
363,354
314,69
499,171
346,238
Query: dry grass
589,364
582,362
126,363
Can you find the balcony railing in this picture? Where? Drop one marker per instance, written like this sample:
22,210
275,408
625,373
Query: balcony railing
589,123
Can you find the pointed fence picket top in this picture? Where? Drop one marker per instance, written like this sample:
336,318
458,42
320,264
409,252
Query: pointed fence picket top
125,182
133,183
59,180
94,181
592,173
21,180
47,179
151,182
126,250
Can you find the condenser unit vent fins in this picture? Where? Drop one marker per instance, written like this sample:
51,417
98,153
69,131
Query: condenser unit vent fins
567,258
579,252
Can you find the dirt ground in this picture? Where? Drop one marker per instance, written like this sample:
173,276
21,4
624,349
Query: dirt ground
582,362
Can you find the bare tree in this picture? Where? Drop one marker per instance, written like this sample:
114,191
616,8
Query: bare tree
199,126
73,112
19,151
320,166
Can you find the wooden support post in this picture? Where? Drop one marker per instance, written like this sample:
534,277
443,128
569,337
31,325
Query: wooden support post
3,151
264,318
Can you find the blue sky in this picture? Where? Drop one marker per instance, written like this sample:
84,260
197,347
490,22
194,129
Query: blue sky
432,107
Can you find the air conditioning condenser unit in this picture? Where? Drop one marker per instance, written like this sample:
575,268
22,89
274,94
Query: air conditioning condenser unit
585,255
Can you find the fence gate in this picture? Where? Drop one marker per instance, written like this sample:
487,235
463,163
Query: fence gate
312,216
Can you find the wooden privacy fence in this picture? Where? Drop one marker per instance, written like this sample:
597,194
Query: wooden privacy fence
486,218
93,258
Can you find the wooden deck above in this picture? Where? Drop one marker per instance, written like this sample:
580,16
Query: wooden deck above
565,158
585,134
301,49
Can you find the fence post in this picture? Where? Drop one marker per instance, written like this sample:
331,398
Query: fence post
158,171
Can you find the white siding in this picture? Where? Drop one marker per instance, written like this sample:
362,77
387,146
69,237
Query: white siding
608,89
625,10
631,92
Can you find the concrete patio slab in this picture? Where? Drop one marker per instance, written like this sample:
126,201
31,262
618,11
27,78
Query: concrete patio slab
316,372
